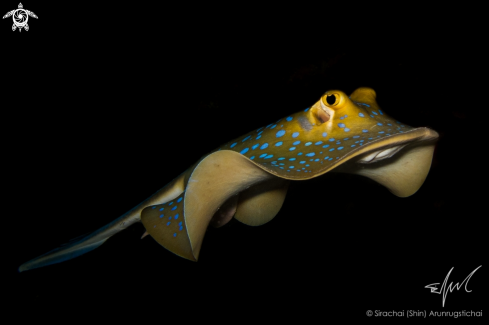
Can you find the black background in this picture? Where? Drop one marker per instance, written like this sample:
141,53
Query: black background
103,104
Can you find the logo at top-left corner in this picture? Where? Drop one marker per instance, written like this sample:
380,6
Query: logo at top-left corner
20,16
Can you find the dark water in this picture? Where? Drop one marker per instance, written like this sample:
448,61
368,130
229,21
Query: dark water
98,115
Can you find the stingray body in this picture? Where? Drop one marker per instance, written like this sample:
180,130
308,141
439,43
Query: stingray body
247,178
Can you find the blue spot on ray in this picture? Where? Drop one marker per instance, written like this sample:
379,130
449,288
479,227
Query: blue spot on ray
289,118
162,209
162,216
292,148
176,216
325,146
234,144
341,125
246,138
280,133
318,143
291,159
245,150
325,134
308,144
296,143
268,157
263,155
295,134
281,158
278,144
255,146
252,157
258,137
179,200
361,115
364,131
264,146
311,154
174,208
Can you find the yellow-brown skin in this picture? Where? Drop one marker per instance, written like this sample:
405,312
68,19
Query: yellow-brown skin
353,131
232,169
251,173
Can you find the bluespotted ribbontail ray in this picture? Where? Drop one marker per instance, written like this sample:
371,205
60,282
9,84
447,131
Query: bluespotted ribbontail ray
247,178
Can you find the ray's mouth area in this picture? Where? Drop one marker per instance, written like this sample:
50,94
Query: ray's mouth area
380,154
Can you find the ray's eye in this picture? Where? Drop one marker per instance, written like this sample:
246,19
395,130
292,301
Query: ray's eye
331,99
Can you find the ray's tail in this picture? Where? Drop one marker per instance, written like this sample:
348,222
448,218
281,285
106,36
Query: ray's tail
83,244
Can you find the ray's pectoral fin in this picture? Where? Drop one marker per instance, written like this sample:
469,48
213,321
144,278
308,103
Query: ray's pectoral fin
254,206
166,224
260,203
180,225
402,168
